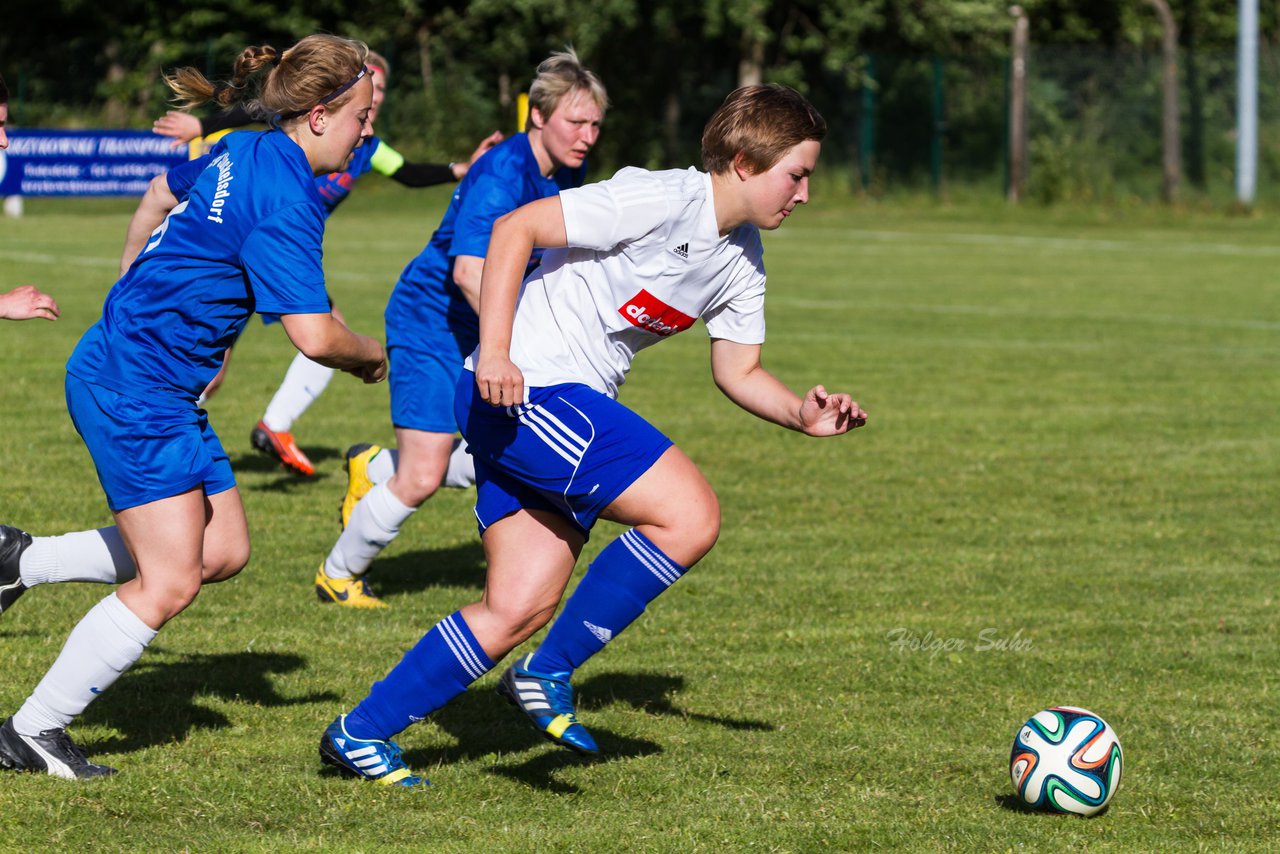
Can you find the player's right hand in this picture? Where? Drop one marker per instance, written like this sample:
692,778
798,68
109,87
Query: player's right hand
500,382
372,373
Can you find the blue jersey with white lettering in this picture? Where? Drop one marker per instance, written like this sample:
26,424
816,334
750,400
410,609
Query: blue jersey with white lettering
245,236
336,186
506,177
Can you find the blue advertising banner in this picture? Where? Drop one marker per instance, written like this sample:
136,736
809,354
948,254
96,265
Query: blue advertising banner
84,162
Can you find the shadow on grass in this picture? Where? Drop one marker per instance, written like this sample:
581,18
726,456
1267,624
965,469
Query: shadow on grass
460,565
157,701
256,462
1013,803
485,725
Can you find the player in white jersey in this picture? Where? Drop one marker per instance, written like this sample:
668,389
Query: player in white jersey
631,261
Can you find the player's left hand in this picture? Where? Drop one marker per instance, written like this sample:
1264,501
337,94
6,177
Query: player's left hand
485,144
26,302
826,414
183,127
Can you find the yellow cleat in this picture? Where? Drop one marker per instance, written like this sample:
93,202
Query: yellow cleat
351,592
358,483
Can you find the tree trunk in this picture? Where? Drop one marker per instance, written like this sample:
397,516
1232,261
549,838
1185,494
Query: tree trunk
671,128
117,112
424,56
1018,166
1170,137
751,63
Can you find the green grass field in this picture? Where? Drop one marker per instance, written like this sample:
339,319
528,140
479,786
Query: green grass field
1067,493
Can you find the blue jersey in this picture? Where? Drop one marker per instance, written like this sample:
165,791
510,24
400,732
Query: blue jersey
336,186
245,236
505,178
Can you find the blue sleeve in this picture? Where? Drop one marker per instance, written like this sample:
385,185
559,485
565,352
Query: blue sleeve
282,260
182,178
486,200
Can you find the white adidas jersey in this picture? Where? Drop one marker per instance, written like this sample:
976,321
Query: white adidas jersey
645,259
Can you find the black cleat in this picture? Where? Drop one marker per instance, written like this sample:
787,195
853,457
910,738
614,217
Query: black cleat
51,752
13,542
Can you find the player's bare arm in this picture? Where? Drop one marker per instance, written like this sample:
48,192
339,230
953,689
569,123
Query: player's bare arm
467,273
154,207
515,235
739,374
325,339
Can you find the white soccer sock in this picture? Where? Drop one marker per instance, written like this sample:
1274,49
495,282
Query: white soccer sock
460,474
462,466
383,465
103,645
303,383
80,556
374,523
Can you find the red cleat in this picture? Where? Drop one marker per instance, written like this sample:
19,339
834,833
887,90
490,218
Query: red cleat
282,447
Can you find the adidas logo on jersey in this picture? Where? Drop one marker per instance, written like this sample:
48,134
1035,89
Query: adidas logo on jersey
682,250
602,634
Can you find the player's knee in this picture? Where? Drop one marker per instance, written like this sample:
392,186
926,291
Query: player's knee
225,562
521,621
414,487
172,597
694,529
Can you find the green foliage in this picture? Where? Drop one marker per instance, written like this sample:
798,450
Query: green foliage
669,63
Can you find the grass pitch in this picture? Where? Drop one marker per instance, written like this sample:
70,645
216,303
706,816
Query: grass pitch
1067,493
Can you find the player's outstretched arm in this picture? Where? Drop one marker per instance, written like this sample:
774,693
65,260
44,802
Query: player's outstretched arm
514,236
154,207
26,302
738,373
325,339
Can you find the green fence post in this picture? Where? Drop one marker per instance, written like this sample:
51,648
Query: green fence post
939,126
867,127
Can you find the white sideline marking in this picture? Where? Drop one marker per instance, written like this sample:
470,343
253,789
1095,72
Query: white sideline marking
1036,314
1071,244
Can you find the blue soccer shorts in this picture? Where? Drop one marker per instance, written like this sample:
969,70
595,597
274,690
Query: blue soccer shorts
424,373
143,452
569,449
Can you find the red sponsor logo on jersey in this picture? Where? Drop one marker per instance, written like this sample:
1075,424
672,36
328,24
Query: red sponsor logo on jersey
648,312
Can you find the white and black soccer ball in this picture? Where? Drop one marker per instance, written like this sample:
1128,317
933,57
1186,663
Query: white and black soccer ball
1066,760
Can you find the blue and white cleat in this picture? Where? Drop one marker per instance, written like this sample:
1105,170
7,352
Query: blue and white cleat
368,759
548,702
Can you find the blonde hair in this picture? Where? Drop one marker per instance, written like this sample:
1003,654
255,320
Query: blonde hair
761,123
296,79
560,74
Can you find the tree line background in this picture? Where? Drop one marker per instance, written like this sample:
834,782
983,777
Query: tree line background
916,91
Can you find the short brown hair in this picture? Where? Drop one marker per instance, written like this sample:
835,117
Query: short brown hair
762,123
4,92
297,78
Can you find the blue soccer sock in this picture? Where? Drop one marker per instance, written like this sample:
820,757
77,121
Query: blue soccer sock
437,669
629,574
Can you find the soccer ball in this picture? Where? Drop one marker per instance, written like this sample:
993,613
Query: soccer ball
1066,760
